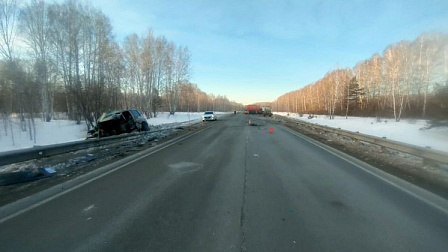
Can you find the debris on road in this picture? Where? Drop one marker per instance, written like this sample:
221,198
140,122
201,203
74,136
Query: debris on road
25,176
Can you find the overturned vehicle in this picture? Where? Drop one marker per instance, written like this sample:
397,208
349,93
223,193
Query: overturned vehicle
119,122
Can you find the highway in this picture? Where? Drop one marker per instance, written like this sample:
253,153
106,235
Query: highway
234,187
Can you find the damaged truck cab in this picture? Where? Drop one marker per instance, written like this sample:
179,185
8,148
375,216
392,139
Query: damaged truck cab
119,122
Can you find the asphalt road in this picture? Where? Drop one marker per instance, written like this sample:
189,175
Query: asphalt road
233,187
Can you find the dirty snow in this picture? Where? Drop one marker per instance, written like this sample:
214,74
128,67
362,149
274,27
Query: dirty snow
407,131
62,131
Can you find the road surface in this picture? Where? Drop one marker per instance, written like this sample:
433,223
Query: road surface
233,187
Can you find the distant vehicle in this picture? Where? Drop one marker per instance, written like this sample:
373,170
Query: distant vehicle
119,122
252,109
209,116
266,111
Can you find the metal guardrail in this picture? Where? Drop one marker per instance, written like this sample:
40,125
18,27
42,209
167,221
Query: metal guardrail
36,152
17,156
426,153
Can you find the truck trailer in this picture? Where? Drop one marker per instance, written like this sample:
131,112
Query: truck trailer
252,109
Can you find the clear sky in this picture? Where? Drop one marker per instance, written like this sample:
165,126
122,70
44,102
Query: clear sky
257,50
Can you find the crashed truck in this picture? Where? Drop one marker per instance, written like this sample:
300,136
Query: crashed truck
117,122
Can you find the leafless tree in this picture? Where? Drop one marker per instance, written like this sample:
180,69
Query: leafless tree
35,29
8,18
400,81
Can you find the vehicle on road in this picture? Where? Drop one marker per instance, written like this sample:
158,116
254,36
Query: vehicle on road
209,116
252,109
267,111
119,122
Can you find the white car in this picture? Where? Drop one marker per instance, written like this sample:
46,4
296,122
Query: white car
209,116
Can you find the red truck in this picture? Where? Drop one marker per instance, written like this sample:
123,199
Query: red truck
252,109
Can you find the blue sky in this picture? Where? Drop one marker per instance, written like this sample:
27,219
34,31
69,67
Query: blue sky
257,50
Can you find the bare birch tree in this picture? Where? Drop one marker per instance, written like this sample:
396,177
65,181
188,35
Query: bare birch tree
35,29
8,18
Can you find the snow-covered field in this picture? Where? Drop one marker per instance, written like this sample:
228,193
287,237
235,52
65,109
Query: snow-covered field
61,131
407,131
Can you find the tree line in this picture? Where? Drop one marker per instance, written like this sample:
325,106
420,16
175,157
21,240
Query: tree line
409,79
63,57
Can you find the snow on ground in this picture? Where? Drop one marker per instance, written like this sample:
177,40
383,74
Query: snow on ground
56,131
407,131
61,131
165,118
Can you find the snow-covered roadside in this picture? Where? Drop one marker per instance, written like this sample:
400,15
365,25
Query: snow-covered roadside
406,131
62,131
56,131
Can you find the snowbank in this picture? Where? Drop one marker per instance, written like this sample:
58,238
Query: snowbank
408,131
62,131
